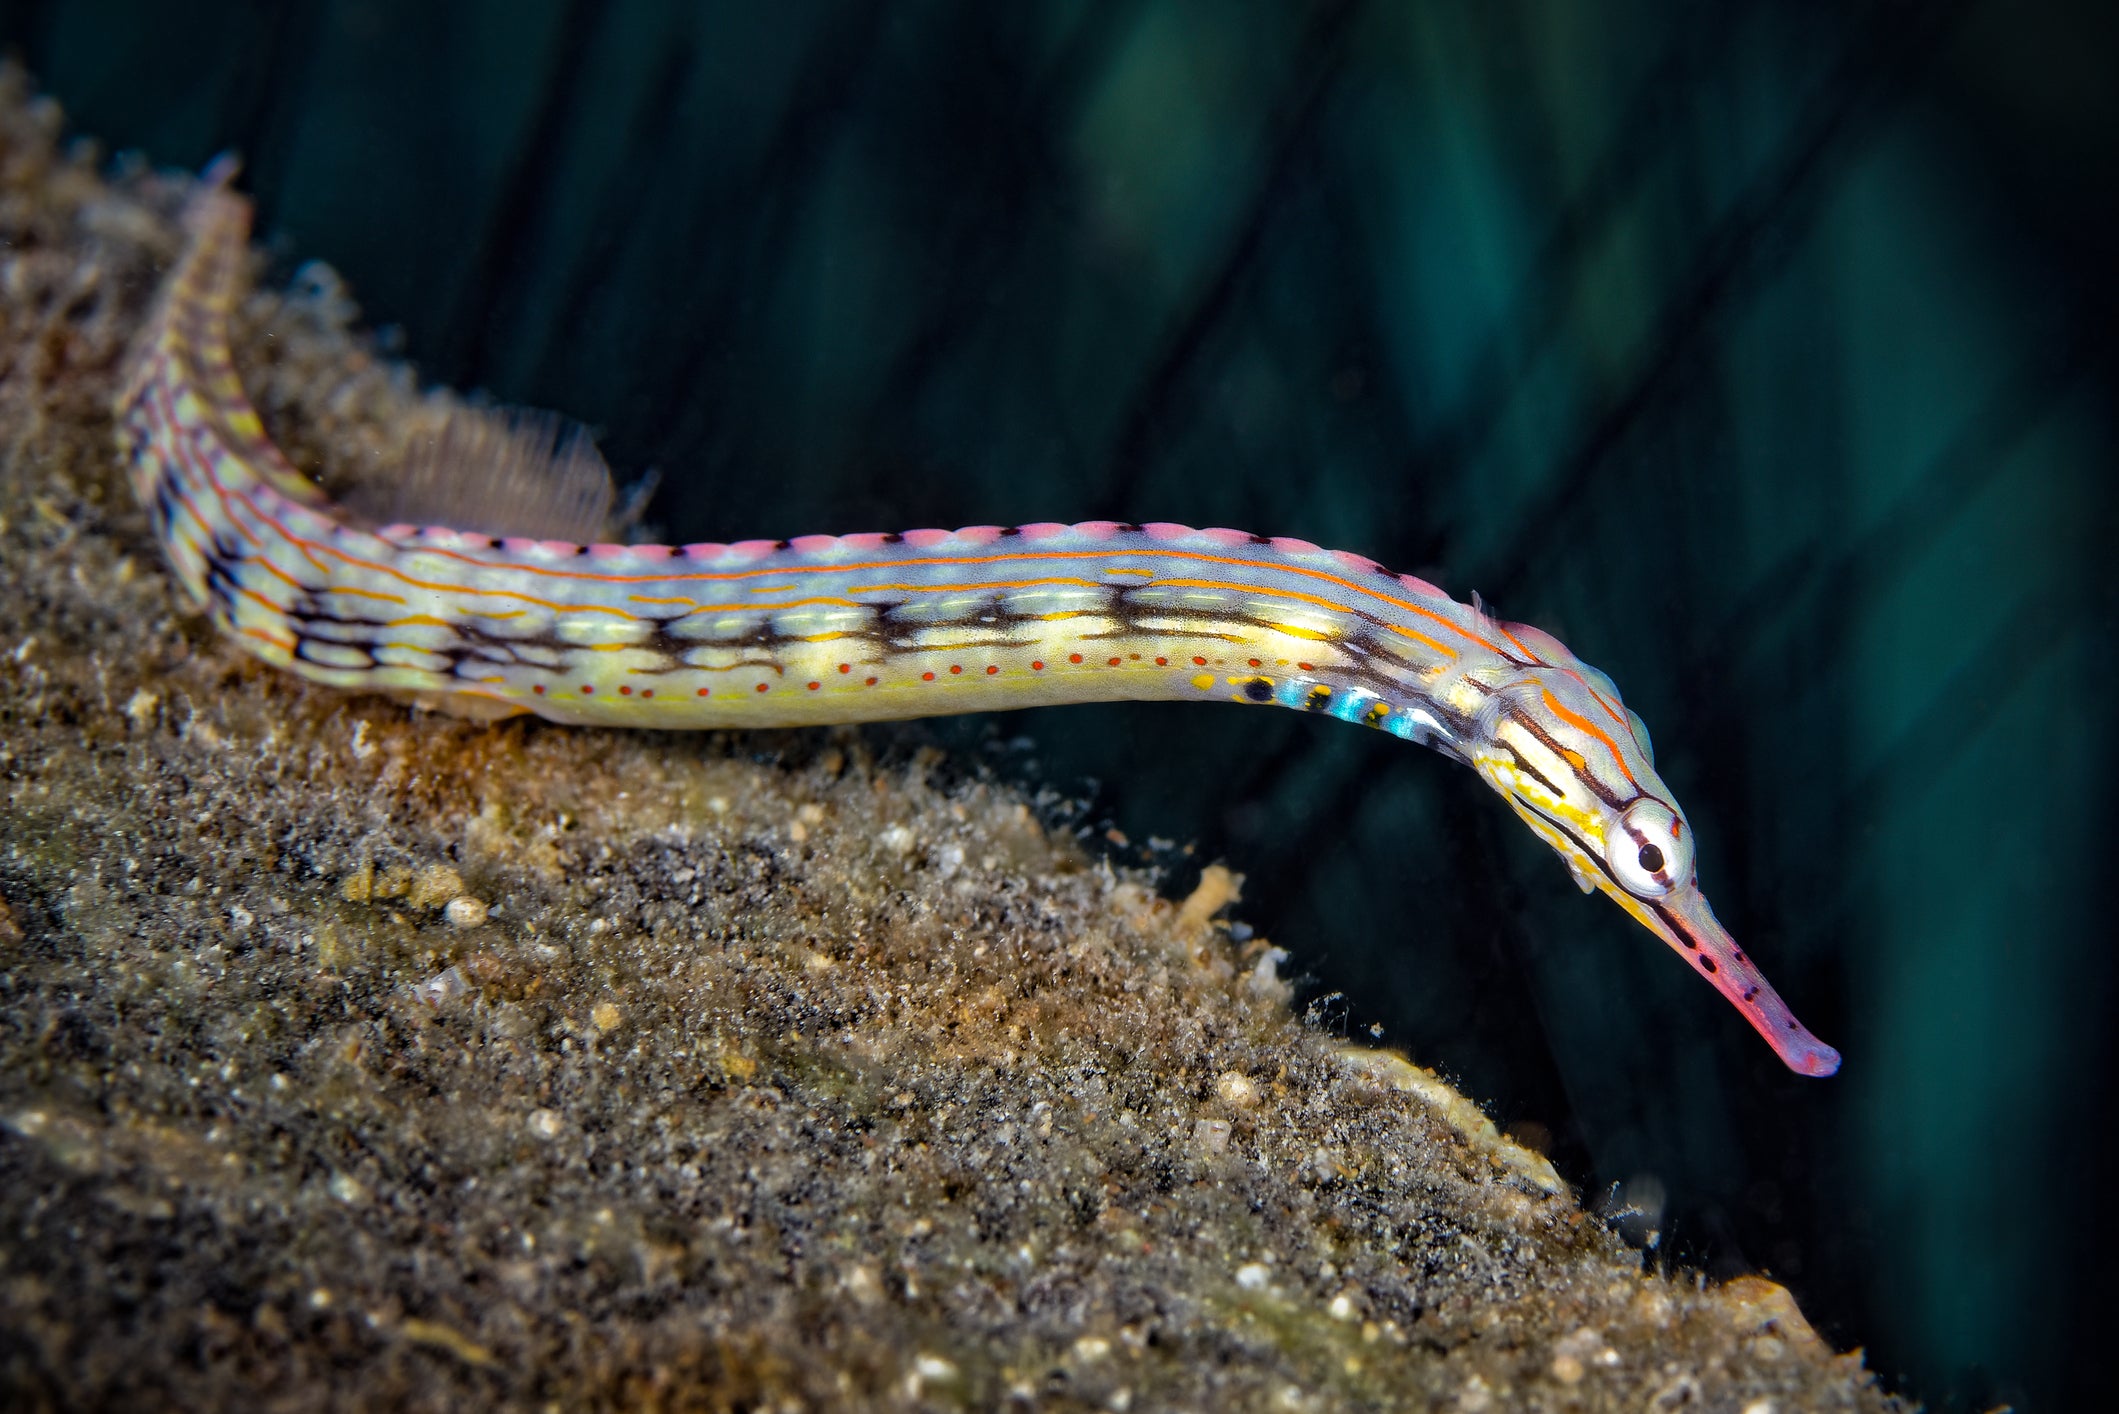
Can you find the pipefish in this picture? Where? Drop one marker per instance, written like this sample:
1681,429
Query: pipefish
860,628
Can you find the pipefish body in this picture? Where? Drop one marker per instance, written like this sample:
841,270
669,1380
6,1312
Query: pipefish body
859,628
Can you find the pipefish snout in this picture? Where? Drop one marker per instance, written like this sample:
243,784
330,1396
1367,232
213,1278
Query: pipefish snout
857,628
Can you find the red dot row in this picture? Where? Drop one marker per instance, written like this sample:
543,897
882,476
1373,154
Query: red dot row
1037,664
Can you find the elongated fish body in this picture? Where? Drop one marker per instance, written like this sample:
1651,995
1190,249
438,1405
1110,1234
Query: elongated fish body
857,628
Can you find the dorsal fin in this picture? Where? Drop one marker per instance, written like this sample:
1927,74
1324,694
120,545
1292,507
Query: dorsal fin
499,471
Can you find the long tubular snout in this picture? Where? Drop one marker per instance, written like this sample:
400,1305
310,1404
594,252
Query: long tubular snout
1688,924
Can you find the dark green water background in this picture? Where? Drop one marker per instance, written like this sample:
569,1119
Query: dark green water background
1759,350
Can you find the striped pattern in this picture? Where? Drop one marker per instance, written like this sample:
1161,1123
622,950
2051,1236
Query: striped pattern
869,627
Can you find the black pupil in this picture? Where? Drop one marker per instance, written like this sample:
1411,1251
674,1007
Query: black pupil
1651,858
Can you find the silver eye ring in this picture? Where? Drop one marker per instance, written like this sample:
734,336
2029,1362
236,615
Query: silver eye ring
1649,848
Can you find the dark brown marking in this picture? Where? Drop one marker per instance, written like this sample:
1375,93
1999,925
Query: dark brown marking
1669,920
1582,772
1523,764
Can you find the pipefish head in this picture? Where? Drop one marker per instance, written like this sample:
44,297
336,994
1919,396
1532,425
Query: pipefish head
1554,739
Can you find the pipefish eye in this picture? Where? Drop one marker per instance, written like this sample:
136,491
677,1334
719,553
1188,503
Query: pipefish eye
1650,850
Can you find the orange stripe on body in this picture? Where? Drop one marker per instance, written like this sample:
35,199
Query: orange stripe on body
1609,710
231,420
1575,719
890,587
369,594
311,549
249,631
939,561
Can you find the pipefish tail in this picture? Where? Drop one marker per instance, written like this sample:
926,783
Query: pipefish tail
858,628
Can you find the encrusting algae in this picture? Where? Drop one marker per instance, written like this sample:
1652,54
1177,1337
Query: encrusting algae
357,1056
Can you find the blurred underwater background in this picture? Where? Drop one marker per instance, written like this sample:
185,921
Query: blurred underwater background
1760,351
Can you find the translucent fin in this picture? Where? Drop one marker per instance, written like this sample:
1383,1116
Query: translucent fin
497,471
